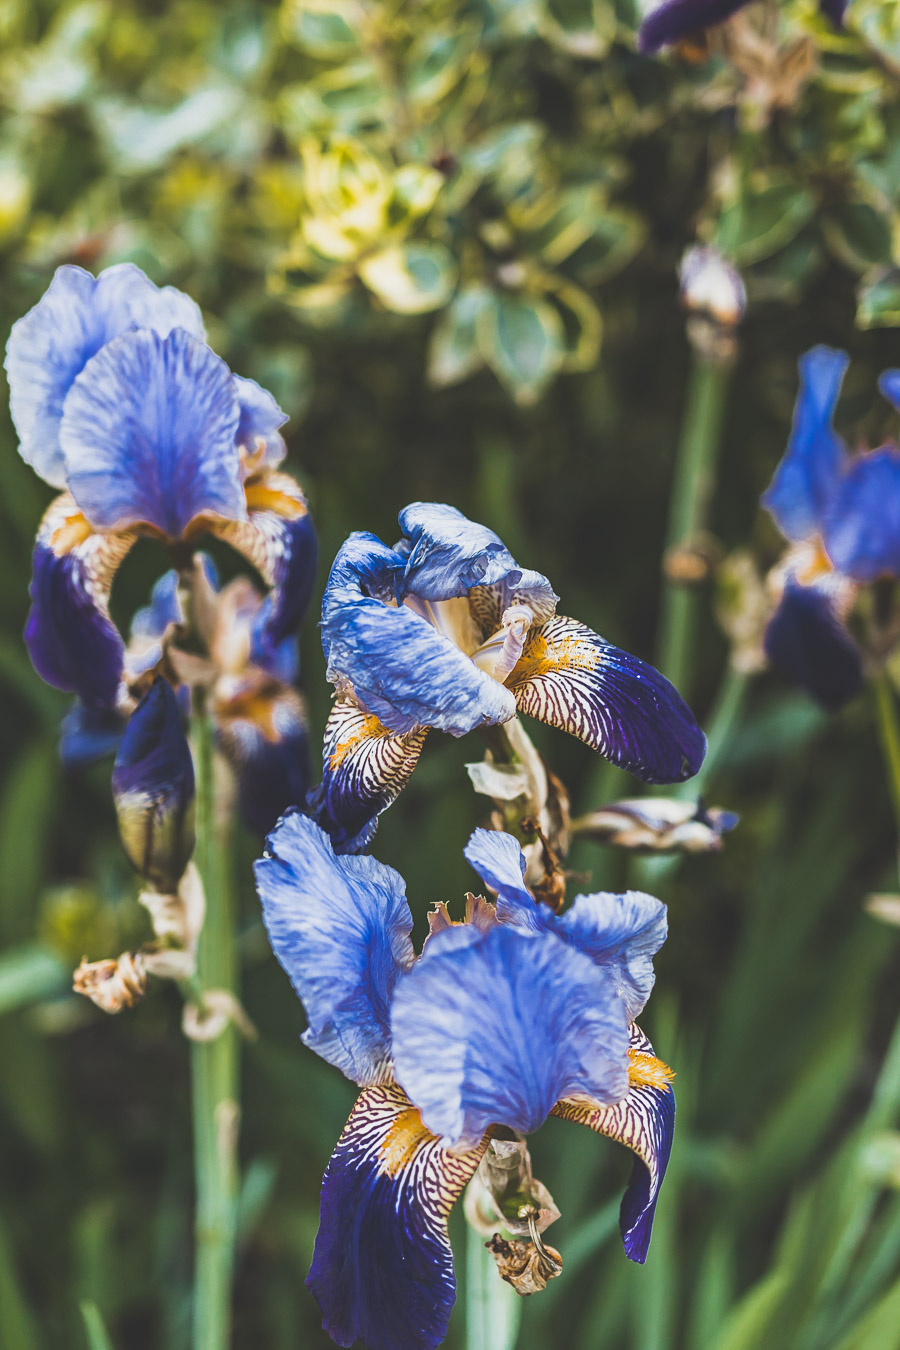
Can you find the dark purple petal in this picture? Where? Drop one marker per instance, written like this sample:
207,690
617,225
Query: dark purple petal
677,19
807,642
365,768
88,734
644,1121
382,1270
807,476
571,678
153,788
834,10
70,637
862,525
270,756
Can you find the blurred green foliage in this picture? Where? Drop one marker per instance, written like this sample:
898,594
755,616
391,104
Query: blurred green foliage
415,222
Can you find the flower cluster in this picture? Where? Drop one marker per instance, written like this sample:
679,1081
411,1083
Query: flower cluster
504,1019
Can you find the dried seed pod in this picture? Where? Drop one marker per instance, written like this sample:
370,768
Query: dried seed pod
112,984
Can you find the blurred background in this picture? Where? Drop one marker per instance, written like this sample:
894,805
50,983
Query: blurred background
446,234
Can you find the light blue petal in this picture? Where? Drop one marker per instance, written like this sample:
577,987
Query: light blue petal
340,928
402,670
53,342
148,433
862,525
382,1271
497,1030
621,933
261,418
889,384
809,472
151,623
449,555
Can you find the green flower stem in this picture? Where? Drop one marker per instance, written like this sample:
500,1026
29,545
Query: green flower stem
691,493
214,1069
493,1308
889,735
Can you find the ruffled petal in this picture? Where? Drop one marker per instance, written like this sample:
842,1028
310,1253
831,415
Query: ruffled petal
153,789
365,768
258,430
401,669
382,1270
340,928
447,555
620,933
70,637
279,539
644,1121
265,739
148,433
673,20
54,341
622,707
862,525
494,1028
807,476
807,642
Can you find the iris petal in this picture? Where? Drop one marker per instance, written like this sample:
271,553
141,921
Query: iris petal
70,637
89,734
279,539
494,1028
269,754
644,1121
260,420
148,432
152,623
54,341
365,770
677,19
806,641
807,476
340,928
382,1270
570,678
621,933
153,788
448,554
862,526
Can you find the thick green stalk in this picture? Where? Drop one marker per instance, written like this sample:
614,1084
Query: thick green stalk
889,735
214,1071
691,492
493,1308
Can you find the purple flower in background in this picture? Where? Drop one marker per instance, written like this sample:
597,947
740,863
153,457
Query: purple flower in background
841,513
501,1021
119,402
672,20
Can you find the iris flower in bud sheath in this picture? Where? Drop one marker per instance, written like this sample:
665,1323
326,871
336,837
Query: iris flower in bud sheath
119,402
502,1021
153,788
841,514
672,20
445,630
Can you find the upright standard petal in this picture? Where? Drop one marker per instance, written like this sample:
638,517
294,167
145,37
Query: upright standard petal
54,341
72,641
279,539
153,788
807,642
148,433
673,20
495,1028
621,933
644,1121
258,430
807,476
365,768
448,554
862,525
382,1270
340,928
622,707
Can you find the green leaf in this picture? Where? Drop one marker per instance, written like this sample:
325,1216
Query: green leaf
880,1329
411,278
28,974
581,28
454,354
95,1330
859,235
19,1329
768,216
524,343
324,28
878,301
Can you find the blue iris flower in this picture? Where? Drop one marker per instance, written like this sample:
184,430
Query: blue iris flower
502,1021
119,402
446,631
672,20
841,513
